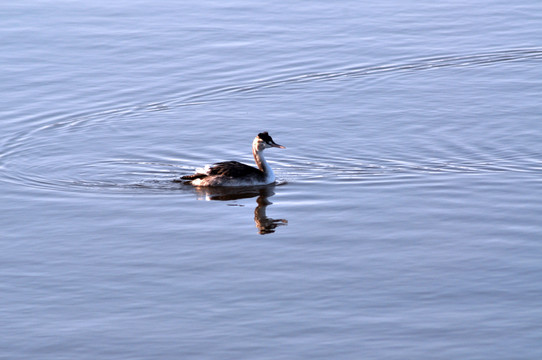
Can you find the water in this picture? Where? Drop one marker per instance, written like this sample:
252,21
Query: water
406,219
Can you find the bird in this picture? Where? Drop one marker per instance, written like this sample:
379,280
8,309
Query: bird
234,173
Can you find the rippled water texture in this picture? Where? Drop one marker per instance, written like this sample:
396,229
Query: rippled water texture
405,222
31,158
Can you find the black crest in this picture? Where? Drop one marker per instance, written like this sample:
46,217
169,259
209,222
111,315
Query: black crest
265,137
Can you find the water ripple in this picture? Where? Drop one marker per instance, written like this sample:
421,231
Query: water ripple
29,157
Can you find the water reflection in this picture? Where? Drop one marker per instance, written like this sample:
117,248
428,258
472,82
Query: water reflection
265,224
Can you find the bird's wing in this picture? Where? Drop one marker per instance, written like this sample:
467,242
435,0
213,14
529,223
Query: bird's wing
233,169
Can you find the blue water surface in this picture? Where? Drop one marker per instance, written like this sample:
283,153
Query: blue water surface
405,222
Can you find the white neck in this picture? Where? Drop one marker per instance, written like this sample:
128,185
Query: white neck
262,163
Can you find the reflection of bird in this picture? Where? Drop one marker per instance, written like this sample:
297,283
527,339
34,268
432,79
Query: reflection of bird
265,225
233,173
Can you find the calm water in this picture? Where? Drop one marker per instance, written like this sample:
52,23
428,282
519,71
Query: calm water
406,223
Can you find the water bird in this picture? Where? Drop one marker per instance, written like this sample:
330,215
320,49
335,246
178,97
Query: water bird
234,173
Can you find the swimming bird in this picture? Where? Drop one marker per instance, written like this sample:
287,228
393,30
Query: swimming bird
233,173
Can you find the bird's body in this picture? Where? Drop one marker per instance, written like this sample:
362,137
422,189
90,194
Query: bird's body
233,173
